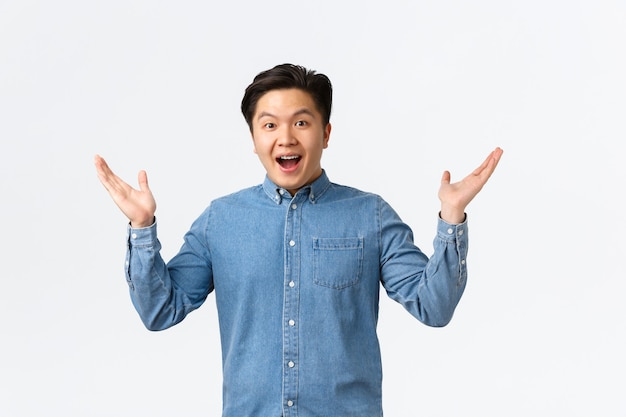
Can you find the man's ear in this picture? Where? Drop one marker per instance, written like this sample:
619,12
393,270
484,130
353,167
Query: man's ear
253,143
327,135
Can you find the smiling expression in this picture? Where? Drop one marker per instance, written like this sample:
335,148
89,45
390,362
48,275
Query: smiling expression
289,137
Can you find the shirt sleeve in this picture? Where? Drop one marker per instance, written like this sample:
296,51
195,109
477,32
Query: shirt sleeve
164,293
428,288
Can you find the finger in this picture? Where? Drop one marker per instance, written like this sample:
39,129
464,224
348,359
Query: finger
489,164
493,162
484,164
101,165
142,178
445,178
103,171
111,182
497,154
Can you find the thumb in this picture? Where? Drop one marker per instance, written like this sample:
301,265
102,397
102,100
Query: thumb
445,178
142,178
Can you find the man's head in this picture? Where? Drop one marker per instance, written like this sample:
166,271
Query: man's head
287,109
287,76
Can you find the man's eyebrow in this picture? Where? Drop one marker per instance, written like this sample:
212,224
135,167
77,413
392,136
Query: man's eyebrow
264,114
303,110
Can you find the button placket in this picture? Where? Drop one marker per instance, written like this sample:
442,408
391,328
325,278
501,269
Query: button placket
291,305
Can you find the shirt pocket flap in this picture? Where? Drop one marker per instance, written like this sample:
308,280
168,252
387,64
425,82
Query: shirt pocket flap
337,261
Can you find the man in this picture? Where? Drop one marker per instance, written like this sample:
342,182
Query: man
296,263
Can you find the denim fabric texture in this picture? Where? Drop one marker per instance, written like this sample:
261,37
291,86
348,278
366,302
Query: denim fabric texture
296,281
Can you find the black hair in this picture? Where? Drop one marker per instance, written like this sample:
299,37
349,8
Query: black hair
286,76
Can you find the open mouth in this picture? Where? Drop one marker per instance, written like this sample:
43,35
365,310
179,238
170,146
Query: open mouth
288,161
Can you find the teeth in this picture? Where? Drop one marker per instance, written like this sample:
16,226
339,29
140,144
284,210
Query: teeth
289,157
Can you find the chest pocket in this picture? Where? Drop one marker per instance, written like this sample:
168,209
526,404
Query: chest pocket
337,261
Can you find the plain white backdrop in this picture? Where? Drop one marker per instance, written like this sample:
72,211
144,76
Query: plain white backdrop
420,86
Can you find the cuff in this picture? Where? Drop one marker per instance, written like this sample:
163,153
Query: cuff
144,236
449,231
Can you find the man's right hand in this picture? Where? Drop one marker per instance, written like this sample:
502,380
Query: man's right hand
138,205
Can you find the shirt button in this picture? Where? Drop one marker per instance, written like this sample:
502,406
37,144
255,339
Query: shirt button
292,243
289,403
292,322
292,284
294,206
450,231
281,192
291,364
462,261
134,235
461,232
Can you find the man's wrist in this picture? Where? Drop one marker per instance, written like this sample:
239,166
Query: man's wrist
142,225
452,216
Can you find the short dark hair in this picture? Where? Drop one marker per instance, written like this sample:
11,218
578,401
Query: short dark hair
286,76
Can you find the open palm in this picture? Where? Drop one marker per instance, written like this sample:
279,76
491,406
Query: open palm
138,205
456,196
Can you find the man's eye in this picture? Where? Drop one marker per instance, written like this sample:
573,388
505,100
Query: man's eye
269,125
301,123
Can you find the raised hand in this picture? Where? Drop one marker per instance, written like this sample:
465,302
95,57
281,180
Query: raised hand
456,196
138,205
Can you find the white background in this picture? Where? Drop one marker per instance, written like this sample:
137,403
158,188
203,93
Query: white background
420,86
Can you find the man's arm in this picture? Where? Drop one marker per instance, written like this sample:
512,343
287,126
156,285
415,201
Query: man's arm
430,289
163,294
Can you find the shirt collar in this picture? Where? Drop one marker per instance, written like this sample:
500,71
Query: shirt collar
313,190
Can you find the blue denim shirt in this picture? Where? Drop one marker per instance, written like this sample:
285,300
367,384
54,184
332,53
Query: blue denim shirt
296,281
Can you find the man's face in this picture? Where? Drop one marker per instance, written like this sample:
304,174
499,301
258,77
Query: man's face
289,136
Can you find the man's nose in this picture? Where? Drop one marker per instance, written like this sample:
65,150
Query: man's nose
286,136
